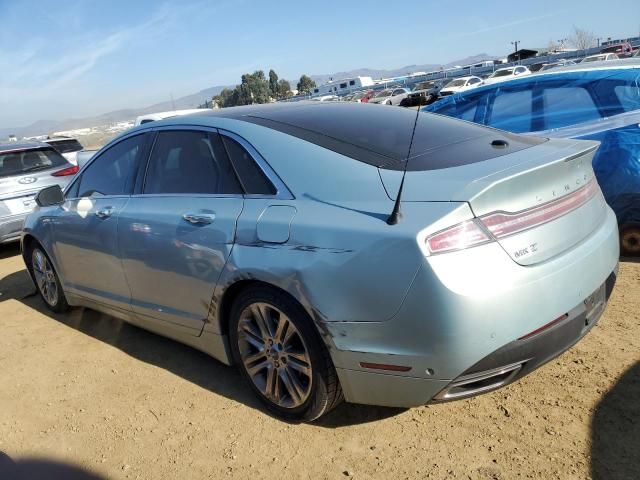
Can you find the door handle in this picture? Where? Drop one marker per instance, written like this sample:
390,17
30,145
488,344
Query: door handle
105,212
199,218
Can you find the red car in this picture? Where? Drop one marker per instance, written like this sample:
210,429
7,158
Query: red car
367,96
623,49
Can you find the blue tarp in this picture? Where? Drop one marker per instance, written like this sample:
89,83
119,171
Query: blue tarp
601,105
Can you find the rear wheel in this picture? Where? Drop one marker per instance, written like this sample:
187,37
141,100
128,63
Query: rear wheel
281,355
630,240
47,281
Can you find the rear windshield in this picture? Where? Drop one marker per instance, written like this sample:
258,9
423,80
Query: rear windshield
66,146
502,73
381,136
26,161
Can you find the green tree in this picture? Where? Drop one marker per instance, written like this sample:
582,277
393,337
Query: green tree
273,84
305,85
284,89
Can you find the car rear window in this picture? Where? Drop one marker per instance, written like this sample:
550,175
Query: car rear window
381,136
66,146
19,162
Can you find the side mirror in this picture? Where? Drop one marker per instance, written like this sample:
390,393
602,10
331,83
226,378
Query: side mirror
50,196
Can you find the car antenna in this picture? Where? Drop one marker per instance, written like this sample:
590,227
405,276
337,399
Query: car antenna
395,216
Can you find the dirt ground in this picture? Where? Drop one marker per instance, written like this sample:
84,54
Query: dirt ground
85,391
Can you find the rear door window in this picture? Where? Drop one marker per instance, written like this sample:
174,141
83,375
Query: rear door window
190,162
569,105
512,111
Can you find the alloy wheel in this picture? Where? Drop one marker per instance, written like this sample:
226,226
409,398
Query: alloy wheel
45,277
274,355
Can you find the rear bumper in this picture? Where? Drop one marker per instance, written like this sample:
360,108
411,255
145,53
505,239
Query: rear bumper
498,369
11,227
463,316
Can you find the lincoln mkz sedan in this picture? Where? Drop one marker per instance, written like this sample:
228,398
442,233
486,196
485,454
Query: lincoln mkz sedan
261,236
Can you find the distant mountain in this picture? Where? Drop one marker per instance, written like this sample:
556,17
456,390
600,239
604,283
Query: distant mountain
48,126
192,101
396,72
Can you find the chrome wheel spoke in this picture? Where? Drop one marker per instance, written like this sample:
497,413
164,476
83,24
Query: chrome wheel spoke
293,386
254,339
299,365
257,368
260,317
283,327
271,387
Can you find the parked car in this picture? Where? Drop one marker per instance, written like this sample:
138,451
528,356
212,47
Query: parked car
507,73
601,57
390,96
360,96
153,117
560,63
25,168
460,85
367,96
622,50
424,93
585,101
268,237
68,147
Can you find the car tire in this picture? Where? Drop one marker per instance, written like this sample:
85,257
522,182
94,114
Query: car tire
281,355
47,281
630,240
389,103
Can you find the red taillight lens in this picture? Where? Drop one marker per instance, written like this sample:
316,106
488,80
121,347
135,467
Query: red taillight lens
502,224
66,172
463,235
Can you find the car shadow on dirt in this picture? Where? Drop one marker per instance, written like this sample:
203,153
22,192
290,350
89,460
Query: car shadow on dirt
183,361
615,430
39,468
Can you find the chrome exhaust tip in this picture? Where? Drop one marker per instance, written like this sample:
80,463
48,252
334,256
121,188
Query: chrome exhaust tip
480,382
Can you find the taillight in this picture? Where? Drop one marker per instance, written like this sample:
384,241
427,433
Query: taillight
497,225
463,235
502,224
66,171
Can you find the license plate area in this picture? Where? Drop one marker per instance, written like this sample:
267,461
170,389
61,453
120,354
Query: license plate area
594,304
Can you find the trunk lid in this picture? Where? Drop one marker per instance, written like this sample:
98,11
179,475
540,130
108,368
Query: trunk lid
552,186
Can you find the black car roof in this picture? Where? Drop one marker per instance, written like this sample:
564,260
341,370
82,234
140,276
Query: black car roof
380,135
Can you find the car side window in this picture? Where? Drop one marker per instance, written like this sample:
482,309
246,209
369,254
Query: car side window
113,172
512,111
568,105
253,179
190,162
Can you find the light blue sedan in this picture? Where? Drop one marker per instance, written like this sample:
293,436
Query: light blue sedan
270,238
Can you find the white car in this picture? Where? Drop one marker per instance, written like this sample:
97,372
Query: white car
460,85
507,73
68,147
601,57
390,96
152,117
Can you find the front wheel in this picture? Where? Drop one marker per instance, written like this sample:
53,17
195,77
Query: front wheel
281,356
47,281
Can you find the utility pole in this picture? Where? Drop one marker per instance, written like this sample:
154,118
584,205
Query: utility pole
516,42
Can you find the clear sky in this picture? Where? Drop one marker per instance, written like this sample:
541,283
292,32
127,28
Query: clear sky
63,59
